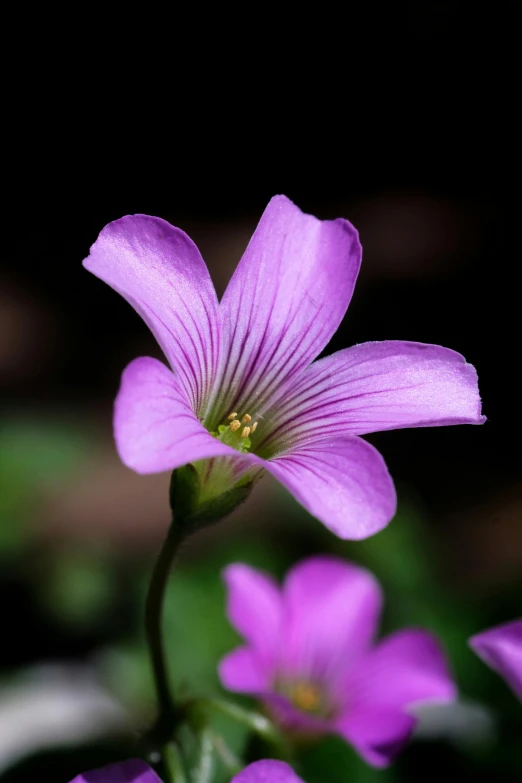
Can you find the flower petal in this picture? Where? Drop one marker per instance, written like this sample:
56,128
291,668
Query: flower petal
331,610
501,648
293,720
377,735
267,771
285,301
242,670
131,771
377,386
407,667
254,608
159,271
154,426
343,482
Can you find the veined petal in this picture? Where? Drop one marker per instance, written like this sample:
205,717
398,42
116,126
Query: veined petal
332,610
267,771
159,271
407,667
343,482
378,735
254,608
501,648
130,771
284,302
154,426
243,671
377,386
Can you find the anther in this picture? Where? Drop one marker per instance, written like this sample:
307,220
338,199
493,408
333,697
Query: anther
232,416
235,425
246,432
246,419
253,427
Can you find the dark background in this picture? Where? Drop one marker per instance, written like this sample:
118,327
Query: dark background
402,119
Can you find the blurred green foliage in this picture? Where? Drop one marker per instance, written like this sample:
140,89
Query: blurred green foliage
93,598
33,454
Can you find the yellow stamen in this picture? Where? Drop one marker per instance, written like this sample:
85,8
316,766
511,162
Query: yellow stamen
246,432
306,696
253,427
232,416
246,419
235,425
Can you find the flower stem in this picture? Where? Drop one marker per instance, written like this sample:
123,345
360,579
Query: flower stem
227,756
202,772
153,616
254,721
174,763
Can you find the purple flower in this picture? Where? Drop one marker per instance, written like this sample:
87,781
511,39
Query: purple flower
501,648
243,395
130,771
267,771
310,656
136,771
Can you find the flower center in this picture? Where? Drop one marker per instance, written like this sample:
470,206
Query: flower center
237,433
305,696
308,697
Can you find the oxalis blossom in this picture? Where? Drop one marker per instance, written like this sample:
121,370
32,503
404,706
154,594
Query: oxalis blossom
311,657
243,395
501,648
136,771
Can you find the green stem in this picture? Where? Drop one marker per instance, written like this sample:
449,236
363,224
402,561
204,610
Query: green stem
174,763
202,772
227,756
256,722
153,615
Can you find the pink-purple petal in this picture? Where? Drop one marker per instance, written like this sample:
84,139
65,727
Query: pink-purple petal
154,426
342,481
285,301
244,671
378,386
332,611
378,735
501,648
291,718
254,608
406,668
159,271
267,771
130,771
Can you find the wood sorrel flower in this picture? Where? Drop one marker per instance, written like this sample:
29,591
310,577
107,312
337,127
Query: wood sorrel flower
501,648
136,771
243,395
311,656
129,771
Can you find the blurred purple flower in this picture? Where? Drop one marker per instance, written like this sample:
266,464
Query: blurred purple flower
267,771
243,392
130,771
136,771
312,660
501,648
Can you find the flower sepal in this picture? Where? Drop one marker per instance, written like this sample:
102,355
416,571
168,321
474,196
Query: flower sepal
193,506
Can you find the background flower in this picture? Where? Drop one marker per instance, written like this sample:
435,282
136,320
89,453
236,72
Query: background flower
311,657
130,771
501,648
136,771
